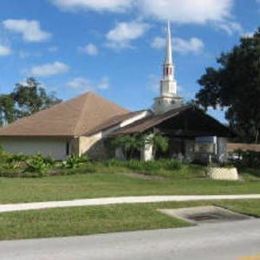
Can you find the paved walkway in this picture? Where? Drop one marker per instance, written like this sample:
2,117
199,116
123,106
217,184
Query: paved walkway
119,200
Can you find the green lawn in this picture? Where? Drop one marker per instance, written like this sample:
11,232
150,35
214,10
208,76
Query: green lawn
14,190
103,219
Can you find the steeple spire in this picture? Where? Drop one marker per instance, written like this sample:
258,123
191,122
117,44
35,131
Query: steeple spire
168,83
168,98
168,57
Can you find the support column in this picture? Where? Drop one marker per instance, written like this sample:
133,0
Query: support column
147,151
222,149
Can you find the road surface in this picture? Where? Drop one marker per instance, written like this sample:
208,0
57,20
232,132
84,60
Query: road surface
230,240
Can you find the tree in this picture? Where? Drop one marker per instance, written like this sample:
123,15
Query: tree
133,143
235,86
129,144
160,143
27,98
30,97
7,109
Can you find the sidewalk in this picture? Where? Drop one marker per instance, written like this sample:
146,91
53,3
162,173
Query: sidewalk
119,200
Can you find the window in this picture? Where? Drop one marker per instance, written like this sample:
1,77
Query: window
68,148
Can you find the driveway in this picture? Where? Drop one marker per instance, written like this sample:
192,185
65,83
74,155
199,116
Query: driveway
233,240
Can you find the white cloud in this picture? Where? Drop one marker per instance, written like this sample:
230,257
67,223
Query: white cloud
49,69
187,11
26,54
53,49
30,29
84,84
90,49
216,12
184,11
248,34
104,83
5,50
96,5
121,36
80,83
158,43
193,45
230,27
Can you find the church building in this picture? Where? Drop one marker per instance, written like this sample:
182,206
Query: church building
83,124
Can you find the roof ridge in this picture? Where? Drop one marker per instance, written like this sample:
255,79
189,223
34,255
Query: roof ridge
81,113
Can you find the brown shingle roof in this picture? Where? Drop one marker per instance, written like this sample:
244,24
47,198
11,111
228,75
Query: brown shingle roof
185,121
114,121
150,121
71,118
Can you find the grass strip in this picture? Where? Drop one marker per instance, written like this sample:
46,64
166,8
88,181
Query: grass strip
103,219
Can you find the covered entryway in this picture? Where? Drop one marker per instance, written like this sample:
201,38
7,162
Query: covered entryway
191,132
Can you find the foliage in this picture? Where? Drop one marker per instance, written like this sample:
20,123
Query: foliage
17,165
7,109
148,167
38,164
74,161
132,143
27,98
249,159
160,143
235,86
129,144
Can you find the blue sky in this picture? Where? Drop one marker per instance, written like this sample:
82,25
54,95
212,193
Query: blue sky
115,47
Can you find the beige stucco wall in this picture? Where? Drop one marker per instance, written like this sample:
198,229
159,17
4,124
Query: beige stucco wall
56,148
93,146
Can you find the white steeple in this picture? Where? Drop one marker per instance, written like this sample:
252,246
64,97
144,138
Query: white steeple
168,87
168,57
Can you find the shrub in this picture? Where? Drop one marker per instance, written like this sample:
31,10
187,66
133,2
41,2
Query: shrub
173,165
13,158
135,165
115,163
149,166
248,159
38,164
74,162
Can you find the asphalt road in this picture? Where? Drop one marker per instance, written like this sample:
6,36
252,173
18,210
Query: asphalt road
230,240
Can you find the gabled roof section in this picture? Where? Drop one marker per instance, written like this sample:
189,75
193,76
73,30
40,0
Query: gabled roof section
149,122
71,118
183,121
115,121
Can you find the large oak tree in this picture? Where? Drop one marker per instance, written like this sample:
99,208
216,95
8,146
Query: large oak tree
235,86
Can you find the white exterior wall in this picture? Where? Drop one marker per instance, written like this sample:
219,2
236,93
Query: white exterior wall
56,148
